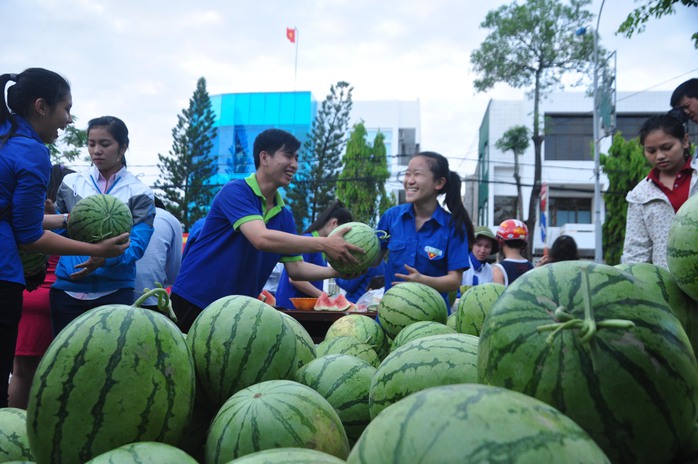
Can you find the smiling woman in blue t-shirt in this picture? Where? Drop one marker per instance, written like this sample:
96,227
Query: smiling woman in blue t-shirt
428,244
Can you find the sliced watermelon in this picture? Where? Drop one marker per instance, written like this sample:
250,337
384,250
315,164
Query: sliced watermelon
324,303
267,298
341,303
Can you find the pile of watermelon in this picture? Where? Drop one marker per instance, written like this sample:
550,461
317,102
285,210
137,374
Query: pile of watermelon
573,362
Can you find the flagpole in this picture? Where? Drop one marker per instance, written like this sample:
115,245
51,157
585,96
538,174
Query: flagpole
295,66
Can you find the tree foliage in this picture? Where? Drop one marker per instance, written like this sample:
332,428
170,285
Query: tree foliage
532,45
637,19
625,165
516,139
68,147
361,183
315,183
187,171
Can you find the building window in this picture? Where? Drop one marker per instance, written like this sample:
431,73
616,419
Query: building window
504,208
569,211
568,137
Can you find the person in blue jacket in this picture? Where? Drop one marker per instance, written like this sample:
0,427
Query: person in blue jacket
37,106
84,283
335,215
428,244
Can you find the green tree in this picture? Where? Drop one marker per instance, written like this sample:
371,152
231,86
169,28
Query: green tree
533,45
68,147
638,18
315,182
187,171
625,165
361,183
516,139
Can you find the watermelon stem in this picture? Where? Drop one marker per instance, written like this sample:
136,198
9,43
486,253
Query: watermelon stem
589,325
164,305
382,235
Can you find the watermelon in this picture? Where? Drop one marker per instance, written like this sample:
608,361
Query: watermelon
97,217
470,423
348,345
275,414
420,329
426,362
14,443
238,341
451,321
305,347
363,328
597,344
114,375
326,302
289,456
683,307
267,297
682,247
33,262
474,305
409,302
344,381
365,238
144,452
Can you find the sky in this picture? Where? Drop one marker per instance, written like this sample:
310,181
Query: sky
141,60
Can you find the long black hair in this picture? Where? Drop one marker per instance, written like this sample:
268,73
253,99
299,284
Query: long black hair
30,85
669,123
438,164
335,210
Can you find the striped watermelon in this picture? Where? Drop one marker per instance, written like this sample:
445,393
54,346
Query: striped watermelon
470,423
115,375
683,307
344,381
238,341
97,217
305,346
144,452
33,262
289,456
451,321
409,302
14,443
682,247
363,328
365,238
595,343
474,305
348,345
275,414
420,329
426,362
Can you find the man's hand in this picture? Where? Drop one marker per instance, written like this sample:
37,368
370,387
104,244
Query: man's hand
339,249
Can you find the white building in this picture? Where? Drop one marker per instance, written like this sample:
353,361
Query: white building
567,162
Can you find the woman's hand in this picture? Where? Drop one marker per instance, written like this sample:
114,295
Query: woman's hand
112,247
87,267
413,275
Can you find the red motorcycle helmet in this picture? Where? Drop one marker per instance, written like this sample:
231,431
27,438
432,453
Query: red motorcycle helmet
512,229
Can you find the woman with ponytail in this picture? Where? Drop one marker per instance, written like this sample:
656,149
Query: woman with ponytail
37,106
428,244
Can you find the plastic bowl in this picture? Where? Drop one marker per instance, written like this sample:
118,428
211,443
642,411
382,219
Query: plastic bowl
304,303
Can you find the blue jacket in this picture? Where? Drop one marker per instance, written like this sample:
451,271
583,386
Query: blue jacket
25,167
119,272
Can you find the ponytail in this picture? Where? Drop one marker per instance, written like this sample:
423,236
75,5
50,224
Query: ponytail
460,218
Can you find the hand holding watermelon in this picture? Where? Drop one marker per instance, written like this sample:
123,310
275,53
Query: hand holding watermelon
112,247
339,249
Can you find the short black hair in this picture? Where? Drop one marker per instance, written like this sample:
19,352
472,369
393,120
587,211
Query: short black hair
686,89
271,140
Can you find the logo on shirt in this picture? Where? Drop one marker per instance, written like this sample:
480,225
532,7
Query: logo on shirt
433,253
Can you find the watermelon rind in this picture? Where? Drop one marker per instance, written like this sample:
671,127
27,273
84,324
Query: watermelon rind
470,423
409,302
14,442
420,329
363,328
631,387
345,344
275,414
682,247
474,305
288,456
145,452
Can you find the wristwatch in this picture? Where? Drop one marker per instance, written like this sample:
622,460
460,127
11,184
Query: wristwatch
65,220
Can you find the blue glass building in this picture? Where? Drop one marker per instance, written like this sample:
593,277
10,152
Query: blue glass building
240,117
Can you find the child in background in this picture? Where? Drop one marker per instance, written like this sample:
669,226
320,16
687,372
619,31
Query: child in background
512,235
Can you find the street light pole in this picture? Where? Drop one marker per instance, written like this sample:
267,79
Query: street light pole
598,248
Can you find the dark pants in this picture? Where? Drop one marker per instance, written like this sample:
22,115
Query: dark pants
65,308
10,313
185,311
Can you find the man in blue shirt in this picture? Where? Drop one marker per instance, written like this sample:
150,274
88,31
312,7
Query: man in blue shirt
247,231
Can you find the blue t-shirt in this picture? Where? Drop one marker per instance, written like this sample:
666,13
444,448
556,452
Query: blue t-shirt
356,287
434,250
285,290
222,261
